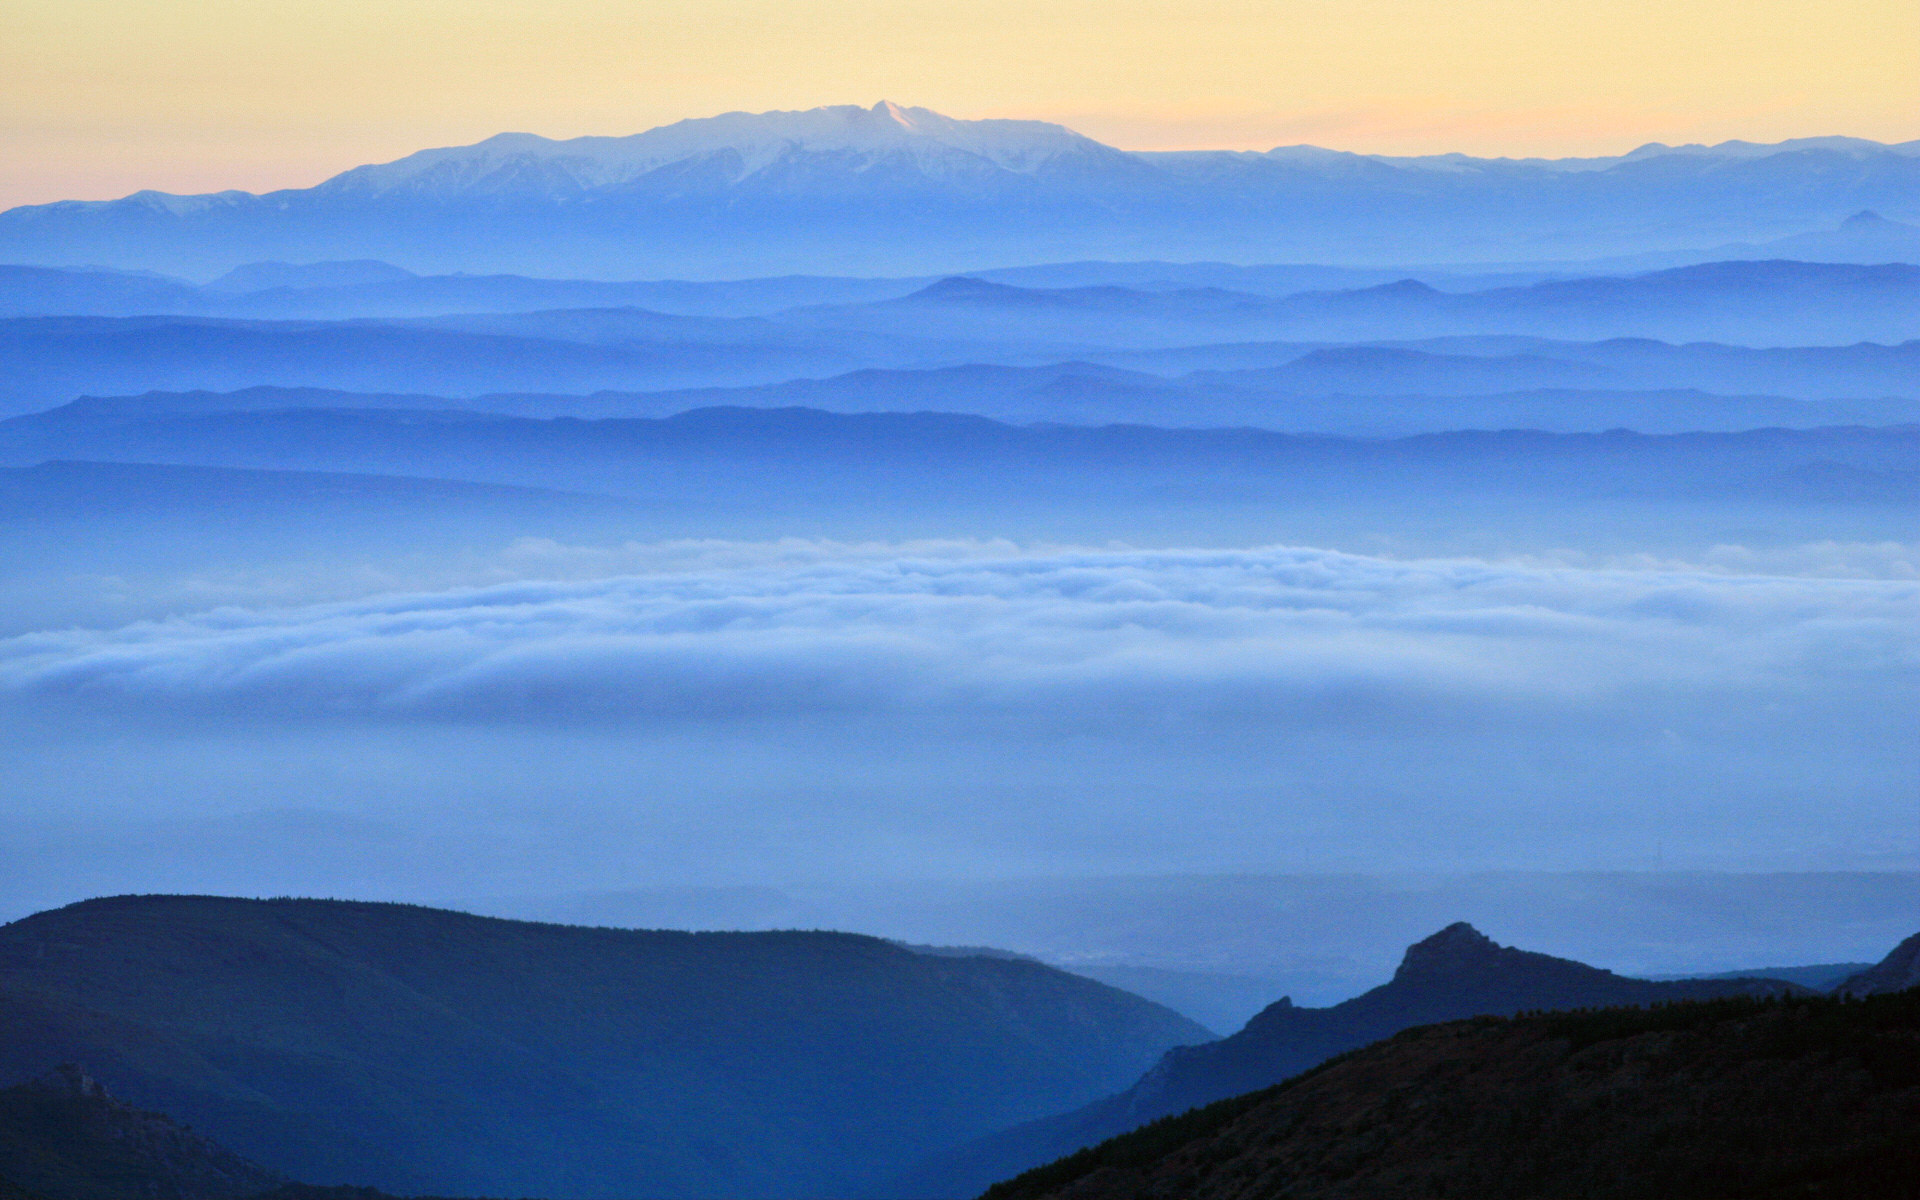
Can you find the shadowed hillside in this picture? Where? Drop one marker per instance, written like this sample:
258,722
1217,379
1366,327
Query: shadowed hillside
1897,972
1738,1099
420,1050
1457,973
63,1137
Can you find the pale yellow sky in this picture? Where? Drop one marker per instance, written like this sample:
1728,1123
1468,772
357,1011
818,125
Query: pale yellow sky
102,97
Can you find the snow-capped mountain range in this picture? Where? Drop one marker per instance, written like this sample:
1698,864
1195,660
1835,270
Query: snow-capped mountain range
848,189
741,145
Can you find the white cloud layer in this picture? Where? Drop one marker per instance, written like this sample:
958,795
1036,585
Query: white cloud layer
793,710
1277,634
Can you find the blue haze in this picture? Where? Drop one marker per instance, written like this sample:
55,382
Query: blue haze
1010,552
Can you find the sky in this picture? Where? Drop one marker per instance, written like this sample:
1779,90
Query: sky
99,98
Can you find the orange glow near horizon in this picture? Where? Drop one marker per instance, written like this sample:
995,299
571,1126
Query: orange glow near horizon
102,97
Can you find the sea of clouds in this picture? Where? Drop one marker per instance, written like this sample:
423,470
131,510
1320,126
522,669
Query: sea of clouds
736,711
1277,633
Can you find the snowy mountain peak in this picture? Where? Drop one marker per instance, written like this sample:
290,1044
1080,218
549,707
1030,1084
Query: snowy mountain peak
734,146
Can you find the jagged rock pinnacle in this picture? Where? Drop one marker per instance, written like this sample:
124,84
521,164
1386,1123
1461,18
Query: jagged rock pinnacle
1457,947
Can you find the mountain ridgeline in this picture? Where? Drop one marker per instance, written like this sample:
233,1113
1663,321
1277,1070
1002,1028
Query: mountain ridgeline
432,1051
1403,339
421,1050
952,495
1739,1099
1897,972
1456,973
892,189
181,497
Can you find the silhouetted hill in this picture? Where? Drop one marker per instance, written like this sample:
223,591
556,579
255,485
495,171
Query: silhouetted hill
62,1137
1722,1100
419,1050
1456,973
1896,972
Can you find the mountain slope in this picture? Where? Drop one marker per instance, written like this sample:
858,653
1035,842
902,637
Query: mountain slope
421,1050
62,1137
901,190
1456,973
1896,972
1726,1100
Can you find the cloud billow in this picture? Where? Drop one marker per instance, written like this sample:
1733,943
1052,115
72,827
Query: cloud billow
1099,639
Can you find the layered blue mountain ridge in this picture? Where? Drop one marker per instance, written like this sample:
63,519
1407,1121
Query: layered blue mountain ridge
905,190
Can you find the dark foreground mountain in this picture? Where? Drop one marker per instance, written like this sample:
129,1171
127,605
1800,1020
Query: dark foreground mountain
1457,973
62,1137
426,1051
1897,972
65,1137
1741,1099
